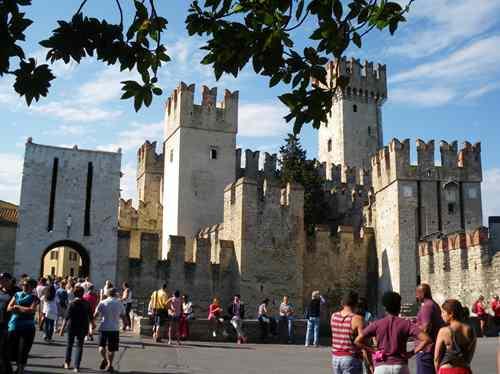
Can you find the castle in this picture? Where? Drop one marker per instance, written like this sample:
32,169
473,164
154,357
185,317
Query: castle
214,220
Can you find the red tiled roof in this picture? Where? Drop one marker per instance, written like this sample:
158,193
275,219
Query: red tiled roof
8,212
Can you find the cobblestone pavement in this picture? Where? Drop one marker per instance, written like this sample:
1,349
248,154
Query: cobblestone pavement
141,356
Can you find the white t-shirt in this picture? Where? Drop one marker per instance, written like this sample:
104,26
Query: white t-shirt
110,311
50,308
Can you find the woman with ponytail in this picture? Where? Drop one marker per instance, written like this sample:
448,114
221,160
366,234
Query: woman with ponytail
455,343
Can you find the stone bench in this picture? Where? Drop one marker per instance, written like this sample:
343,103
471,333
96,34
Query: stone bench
200,330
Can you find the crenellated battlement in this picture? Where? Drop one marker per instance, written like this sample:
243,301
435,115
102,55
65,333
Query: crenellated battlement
393,162
460,240
367,81
148,160
181,111
252,167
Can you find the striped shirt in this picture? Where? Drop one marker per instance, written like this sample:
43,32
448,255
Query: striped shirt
342,336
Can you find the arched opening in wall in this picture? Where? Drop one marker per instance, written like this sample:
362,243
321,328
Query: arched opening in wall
65,258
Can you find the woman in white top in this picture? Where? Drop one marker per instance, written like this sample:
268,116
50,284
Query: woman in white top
187,314
267,323
49,312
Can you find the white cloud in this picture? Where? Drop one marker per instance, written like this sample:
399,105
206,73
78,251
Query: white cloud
483,90
465,74
105,87
74,112
429,97
11,166
491,192
262,119
134,136
475,60
435,25
128,182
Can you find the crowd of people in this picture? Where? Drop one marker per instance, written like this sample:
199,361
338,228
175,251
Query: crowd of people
67,306
444,342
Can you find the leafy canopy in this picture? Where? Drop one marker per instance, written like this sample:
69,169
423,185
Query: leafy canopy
239,32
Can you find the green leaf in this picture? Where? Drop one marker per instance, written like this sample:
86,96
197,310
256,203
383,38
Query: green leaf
356,39
337,9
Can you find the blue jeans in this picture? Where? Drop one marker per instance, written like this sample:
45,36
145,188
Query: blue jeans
49,328
346,365
312,328
289,324
78,349
425,363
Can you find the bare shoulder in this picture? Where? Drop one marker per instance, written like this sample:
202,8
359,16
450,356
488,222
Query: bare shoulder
358,320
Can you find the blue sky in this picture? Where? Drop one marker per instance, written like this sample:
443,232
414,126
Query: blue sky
444,83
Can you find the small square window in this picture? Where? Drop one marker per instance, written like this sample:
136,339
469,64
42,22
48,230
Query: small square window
213,154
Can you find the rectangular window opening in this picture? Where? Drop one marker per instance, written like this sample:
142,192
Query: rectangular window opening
213,154
88,199
55,167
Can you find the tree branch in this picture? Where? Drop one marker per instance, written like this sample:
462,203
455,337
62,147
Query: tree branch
300,23
81,6
121,13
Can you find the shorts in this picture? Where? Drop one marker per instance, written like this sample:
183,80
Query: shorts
110,339
160,317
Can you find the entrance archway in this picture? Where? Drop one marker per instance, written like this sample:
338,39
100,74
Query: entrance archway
65,258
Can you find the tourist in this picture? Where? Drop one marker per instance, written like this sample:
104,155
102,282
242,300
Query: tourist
49,301
455,343
92,298
158,309
266,322
215,317
6,294
174,313
287,318
313,314
86,285
479,308
127,304
21,328
70,285
429,321
104,291
77,319
392,333
40,291
236,311
111,311
186,316
495,307
347,358
62,300
362,310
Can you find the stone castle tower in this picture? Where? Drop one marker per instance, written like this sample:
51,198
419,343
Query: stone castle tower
200,142
353,132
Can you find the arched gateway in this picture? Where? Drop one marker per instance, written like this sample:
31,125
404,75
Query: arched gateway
69,200
65,257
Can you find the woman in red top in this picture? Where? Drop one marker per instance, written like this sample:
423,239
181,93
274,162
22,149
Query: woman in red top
93,299
215,317
480,309
495,307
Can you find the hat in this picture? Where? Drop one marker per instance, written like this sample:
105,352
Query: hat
5,276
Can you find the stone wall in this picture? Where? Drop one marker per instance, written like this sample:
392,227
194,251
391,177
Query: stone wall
461,266
337,263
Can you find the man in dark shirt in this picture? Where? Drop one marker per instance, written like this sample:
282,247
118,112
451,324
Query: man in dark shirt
78,317
6,293
429,321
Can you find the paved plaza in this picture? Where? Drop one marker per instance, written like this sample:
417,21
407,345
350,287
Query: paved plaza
141,356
